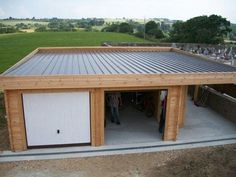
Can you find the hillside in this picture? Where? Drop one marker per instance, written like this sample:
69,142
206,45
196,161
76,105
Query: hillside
14,22
14,47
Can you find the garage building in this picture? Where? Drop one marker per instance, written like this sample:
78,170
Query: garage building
56,96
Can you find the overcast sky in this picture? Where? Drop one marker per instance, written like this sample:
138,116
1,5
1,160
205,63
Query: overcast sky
172,9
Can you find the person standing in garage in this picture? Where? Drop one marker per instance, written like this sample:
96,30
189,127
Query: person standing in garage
114,101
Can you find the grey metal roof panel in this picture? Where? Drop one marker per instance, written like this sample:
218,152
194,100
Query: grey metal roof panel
114,62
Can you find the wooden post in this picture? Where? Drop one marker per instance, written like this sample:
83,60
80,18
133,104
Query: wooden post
195,95
97,117
182,105
172,113
15,120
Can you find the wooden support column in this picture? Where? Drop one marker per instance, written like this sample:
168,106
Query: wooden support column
182,105
196,93
97,117
172,113
15,120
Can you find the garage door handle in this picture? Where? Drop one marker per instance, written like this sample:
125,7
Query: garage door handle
58,131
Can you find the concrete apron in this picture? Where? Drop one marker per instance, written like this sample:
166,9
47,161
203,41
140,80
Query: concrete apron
88,151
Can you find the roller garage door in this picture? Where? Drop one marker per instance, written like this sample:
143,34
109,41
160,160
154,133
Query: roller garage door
57,118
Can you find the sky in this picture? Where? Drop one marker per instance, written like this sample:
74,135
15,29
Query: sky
172,9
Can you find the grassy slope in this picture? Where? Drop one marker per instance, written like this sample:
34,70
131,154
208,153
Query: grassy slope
14,47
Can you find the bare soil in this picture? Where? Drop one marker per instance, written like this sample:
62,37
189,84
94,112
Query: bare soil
219,161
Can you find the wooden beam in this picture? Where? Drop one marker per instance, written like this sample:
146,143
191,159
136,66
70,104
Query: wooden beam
115,80
54,90
15,118
172,113
97,117
103,48
134,89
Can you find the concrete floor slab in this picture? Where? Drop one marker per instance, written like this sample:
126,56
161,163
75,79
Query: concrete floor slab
135,127
203,122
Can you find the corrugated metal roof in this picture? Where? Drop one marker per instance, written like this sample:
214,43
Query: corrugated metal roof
113,62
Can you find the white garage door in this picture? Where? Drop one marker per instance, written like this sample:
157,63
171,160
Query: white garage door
57,118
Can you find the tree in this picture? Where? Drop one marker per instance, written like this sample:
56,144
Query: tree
53,25
177,33
61,25
139,30
152,29
22,26
165,27
125,28
41,29
112,28
7,29
158,34
201,29
232,36
121,28
149,27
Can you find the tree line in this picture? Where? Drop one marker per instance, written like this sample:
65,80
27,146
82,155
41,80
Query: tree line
151,29
211,29
71,25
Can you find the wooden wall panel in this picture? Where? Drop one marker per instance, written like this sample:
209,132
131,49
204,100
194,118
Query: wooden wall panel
97,117
182,105
16,124
172,113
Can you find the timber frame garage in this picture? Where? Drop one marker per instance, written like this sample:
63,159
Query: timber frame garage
46,90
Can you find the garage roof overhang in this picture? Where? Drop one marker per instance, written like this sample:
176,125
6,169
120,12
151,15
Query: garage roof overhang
145,67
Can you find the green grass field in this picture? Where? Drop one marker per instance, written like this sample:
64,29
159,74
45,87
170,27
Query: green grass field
14,47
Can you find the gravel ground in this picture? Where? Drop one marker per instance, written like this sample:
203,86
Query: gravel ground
4,139
201,162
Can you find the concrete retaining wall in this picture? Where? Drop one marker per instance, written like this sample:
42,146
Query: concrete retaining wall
220,103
